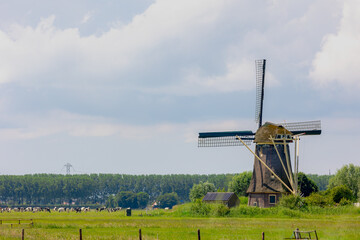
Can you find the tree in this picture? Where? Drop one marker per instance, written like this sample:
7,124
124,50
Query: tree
142,199
200,190
111,202
240,183
168,200
306,185
341,192
322,181
348,175
127,199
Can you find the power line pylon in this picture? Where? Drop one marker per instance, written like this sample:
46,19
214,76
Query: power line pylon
68,166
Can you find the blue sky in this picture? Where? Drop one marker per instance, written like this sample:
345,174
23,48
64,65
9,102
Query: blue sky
125,86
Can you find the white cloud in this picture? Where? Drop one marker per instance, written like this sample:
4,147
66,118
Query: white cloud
75,125
239,76
87,17
32,52
60,57
236,78
31,127
338,61
29,52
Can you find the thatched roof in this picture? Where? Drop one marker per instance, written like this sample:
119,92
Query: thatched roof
268,130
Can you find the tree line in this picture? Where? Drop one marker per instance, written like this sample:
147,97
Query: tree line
134,190
44,189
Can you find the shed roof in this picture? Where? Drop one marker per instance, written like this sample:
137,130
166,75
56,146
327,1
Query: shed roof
218,196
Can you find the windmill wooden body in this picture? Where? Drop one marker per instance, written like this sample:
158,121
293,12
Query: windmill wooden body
272,173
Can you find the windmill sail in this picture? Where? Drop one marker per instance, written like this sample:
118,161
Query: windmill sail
260,82
306,128
225,139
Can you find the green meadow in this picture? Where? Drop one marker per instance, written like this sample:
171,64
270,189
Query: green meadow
241,223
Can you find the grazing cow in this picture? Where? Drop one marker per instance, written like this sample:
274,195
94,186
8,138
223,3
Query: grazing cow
61,209
7,209
37,209
115,209
85,209
100,209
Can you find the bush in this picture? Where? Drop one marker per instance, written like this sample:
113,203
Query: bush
345,202
319,200
220,210
292,202
341,192
200,208
243,200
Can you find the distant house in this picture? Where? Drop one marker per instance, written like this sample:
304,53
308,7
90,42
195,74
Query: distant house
228,198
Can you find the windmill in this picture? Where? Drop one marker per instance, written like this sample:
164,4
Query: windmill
272,172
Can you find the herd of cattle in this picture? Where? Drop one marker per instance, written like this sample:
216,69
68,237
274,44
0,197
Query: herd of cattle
56,209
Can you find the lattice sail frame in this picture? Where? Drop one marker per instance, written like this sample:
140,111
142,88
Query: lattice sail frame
225,139
307,128
260,82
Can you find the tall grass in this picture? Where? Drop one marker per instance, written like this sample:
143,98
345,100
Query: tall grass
199,209
242,222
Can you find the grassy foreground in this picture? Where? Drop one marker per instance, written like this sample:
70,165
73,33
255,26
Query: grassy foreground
168,225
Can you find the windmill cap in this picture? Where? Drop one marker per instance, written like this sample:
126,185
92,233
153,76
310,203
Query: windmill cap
271,130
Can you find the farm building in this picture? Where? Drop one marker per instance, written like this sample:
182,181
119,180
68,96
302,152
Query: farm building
228,198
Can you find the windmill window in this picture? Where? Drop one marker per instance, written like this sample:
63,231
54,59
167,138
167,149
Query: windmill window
272,199
255,204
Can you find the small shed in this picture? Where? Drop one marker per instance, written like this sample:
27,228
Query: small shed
228,198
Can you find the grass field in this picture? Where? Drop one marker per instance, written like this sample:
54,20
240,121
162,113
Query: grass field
166,225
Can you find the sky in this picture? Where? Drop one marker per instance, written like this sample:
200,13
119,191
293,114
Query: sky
119,86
